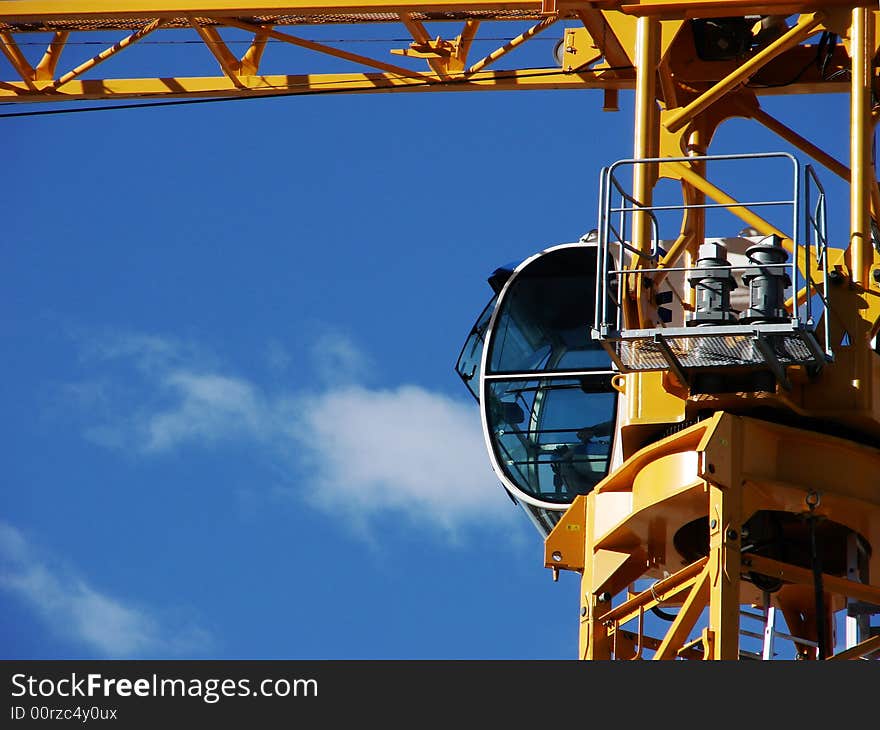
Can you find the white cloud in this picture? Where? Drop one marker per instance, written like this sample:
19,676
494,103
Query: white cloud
337,359
406,449
78,611
207,408
144,350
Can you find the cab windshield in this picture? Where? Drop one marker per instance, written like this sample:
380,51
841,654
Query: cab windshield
552,437
549,407
546,316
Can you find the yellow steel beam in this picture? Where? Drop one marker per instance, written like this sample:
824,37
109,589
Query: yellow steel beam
650,642
661,590
725,517
211,38
106,53
719,196
606,40
14,55
646,115
45,69
329,50
221,86
250,62
181,86
421,36
805,27
468,33
730,8
818,154
796,574
511,45
36,10
644,147
685,619
40,10
641,605
593,639
859,650
861,131
803,144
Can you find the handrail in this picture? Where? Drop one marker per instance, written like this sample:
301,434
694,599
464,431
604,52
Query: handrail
813,228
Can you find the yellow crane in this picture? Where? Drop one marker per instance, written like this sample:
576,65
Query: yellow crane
735,476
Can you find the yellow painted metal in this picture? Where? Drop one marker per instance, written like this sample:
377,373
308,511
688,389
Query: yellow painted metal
859,650
263,85
647,57
612,32
440,54
329,50
579,49
593,640
686,618
250,62
660,592
230,64
796,574
723,468
861,162
803,144
511,45
731,8
35,10
604,37
806,26
722,452
105,54
564,547
45,69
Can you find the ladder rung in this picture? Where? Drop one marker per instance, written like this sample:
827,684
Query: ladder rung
756,616
753,634
797,639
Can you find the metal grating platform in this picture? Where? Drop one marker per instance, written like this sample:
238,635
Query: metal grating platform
114,22
681,349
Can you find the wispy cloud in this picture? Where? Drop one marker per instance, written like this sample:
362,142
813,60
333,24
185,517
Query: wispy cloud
145,351
81,613
205,408
337,360
406,450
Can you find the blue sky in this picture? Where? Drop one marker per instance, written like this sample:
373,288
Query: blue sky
231,423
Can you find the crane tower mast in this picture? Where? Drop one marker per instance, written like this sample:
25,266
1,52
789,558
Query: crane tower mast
744,480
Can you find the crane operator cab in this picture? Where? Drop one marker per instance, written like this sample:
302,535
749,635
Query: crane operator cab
544,385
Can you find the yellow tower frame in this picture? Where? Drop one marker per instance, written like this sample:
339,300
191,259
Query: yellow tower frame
722,469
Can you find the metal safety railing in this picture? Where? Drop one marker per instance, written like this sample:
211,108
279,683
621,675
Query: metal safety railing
816,223
788,340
